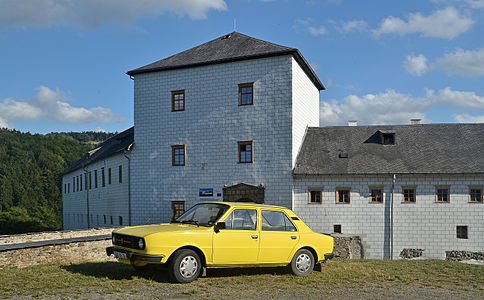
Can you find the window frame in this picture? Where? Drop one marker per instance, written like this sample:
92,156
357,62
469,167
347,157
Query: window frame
414,188
437,188
173,94
231,214
470,194
310,195
173,155
245,143
459,234
246,85
174,203
382,194
343,189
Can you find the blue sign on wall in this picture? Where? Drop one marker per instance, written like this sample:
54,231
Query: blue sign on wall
205,193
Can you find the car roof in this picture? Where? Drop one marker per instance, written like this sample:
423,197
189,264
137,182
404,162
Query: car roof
245,204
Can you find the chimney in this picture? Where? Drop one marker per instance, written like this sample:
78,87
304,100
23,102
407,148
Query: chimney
352,123
415,121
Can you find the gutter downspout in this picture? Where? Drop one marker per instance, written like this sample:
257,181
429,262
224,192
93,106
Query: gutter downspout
129,184
87,199
394,178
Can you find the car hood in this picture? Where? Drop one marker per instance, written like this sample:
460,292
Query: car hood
144,230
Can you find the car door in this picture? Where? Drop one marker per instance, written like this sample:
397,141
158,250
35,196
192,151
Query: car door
238,243
278,237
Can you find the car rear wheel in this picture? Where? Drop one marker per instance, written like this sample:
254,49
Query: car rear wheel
185,266
302,263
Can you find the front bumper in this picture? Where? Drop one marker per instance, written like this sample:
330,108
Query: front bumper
133,256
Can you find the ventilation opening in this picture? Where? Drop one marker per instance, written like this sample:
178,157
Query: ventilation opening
337,228
227,36
386,137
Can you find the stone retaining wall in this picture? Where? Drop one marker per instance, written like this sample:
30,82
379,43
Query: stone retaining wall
347,246
52,235
464,255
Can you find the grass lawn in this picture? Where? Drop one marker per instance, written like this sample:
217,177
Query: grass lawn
340,279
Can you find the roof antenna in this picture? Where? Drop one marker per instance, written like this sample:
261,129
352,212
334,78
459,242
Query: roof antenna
235,24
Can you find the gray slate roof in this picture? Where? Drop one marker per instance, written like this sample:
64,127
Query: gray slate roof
114,145
425,149
228,48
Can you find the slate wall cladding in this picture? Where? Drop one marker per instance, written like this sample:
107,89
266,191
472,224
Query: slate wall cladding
425,225
110,200
210,127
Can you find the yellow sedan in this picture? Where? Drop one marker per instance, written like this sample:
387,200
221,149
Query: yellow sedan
223,234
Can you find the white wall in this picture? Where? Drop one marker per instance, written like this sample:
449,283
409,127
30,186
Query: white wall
210,127
109,201
425,224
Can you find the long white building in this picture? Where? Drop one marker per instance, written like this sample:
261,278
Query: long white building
236,119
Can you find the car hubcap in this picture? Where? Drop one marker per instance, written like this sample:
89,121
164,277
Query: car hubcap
188,266
303,263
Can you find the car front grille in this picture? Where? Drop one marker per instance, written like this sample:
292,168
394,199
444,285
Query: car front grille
125,241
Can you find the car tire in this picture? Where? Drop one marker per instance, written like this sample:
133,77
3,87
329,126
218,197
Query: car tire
185,266
302,263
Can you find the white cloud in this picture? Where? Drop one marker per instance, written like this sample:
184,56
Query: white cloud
392,107
93,13
470,3
98,129
467,118
446,23
49,104
314,66
416,65
353,25
389,107
320,30
4,124
462,62
459,99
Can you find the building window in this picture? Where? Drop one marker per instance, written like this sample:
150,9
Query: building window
178,155
177,100
104,219
109,175
376,195
120,220
103,178
120,175
111,220
462,232
475,194
337,228
65,188
245,152
246,93
80,181
442,194
409,194
90,181
95,179
68,188
177,209
343,195
315,196
73,184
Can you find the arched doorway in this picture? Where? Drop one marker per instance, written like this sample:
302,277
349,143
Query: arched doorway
244,192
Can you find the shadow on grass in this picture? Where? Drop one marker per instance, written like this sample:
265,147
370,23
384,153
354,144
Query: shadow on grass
118,271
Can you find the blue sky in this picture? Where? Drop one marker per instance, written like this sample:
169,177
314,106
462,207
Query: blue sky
382,62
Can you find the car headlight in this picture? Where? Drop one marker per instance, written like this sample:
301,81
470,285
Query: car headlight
141,244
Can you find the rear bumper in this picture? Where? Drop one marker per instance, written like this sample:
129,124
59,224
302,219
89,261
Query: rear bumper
133,256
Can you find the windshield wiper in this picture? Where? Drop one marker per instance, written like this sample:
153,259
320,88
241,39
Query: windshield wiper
194,222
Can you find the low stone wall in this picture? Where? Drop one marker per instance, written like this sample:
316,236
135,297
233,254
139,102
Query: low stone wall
52,235
464,255
347,246
75,246
408,253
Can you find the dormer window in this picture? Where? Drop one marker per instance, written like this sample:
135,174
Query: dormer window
386,137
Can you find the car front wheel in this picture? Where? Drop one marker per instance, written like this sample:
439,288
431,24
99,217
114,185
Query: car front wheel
302,263
185,266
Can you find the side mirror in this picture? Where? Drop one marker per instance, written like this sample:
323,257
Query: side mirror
218,226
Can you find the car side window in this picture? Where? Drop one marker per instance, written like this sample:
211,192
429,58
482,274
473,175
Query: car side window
276,221
242,219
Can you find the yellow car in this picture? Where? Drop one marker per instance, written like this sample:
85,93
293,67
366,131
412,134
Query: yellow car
223,234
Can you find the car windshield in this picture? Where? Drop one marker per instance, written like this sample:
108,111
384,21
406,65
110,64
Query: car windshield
204,214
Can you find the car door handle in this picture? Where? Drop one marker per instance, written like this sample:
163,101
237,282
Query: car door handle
255,237
293,237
